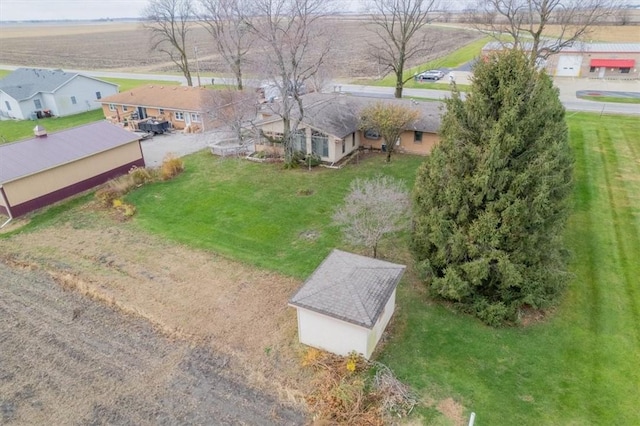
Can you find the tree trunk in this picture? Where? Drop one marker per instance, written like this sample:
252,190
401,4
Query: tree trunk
399,85
388,155
238,75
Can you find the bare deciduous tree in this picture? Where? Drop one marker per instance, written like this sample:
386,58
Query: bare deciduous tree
399,25
389,120
623,15
230,33
372,209
234,110
295,47
170,22
526,22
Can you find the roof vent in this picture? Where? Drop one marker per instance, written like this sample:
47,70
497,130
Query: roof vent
39,131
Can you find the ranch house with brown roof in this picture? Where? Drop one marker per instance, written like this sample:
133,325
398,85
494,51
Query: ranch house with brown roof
186,108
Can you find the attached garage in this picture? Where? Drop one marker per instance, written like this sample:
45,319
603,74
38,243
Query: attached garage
48,168
346,304
569,66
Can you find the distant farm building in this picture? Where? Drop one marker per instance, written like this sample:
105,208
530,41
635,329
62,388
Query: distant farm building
592,60
29,93
346,304
48,168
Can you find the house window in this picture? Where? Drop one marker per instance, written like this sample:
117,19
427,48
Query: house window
161,111
319,144
195,117
417,137
593,69
98,95
371,134
124,108
300,141
37,103
73,100
8,105
344,146
625,70
179,115
353,140
112,107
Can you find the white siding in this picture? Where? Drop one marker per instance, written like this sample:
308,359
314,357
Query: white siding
569,66
340,337
330,334
381,325
84,90
16,110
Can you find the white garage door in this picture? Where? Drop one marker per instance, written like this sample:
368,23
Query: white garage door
569,66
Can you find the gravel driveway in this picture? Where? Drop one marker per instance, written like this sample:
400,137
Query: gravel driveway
155,148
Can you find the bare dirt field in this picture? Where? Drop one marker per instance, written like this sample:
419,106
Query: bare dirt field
146,331
125,47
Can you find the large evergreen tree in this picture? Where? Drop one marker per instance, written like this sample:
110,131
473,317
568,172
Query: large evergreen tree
492,199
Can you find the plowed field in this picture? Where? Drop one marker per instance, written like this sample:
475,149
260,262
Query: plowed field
125,47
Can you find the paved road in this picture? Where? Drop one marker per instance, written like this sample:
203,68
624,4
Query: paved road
568,87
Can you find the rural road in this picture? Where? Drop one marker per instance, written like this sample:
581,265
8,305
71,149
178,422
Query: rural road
568,87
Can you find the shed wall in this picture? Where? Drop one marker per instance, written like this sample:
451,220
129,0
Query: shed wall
330,334
26,194
378,329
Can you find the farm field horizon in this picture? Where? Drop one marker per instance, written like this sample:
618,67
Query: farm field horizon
205,267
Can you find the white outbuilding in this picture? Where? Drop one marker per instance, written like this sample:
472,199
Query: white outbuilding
346,304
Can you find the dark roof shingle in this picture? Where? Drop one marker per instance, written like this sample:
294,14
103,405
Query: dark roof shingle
339,115
349,287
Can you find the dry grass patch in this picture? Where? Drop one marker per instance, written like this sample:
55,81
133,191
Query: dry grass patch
238,310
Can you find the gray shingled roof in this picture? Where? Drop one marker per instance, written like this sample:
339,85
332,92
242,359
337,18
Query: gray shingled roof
31,156
23,83
339,115
349,287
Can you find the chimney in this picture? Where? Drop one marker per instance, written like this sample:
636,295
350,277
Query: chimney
39,131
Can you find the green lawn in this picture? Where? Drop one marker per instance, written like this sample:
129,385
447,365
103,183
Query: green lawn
130,83
256,213
452,60
578,367
15,130
614,99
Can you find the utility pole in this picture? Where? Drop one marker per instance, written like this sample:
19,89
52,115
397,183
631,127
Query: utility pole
195,49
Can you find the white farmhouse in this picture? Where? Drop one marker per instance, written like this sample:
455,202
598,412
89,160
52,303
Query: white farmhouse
29,93
346,304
